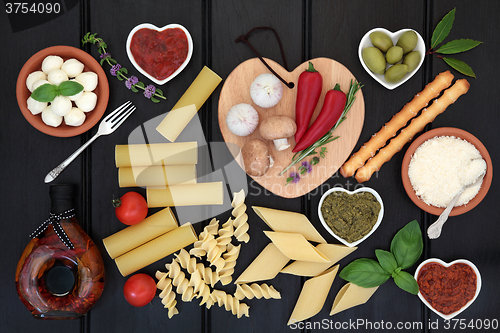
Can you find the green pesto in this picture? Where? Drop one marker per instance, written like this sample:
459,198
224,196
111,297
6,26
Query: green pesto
350,216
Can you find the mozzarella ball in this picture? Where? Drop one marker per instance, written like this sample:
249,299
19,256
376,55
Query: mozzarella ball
88,80
76,96
50,118
39,83
87,102
50,63
75,117
61,105
35,106
35,76
56,76
72,67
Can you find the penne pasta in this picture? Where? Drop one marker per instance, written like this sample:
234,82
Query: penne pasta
296,247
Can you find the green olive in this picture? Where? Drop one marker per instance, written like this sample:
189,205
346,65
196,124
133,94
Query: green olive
408,41
374,59
412,60
381,40
394,54
395,73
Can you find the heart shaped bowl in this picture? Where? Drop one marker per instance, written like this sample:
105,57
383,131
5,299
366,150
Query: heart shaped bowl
458,261
35,64
365,42
153,27
340,189
458,133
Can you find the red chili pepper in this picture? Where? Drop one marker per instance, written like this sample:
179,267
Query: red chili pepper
332,109
308,93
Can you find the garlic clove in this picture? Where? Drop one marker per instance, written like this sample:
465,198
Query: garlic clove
281,144
242,119
266,90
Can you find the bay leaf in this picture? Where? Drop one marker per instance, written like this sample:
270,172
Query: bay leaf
460,66
443,28
457,46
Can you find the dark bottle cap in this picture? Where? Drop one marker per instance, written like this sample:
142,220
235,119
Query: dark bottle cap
61,197
60,280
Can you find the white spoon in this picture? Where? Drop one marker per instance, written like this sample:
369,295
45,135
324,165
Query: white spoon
434,230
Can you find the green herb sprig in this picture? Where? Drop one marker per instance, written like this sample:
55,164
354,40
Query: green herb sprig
455,46
328,137
406,248
47,92
132,83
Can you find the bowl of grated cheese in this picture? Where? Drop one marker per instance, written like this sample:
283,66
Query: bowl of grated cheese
432,170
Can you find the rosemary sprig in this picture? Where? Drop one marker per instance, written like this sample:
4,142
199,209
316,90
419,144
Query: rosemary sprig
132,83
328,137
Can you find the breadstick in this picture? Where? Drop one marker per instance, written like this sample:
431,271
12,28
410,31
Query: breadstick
417,125
400,119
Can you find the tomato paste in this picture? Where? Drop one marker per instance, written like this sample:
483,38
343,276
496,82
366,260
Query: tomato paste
447,289
159,53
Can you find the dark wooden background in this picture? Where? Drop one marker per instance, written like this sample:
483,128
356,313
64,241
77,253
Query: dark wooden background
308,29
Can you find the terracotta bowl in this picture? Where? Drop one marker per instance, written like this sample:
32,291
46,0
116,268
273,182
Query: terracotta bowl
458,133
35,64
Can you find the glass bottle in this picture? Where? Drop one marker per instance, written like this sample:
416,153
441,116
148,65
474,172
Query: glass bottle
57,279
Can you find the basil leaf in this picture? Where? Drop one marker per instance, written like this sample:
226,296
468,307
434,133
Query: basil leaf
406,282
386,260
457,46
158,92
460,66
443,29
407,245
45,93
366,273
70,88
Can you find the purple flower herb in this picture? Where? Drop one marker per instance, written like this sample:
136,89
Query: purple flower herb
106,55
295,177
114,70
131,81
149,91
307,166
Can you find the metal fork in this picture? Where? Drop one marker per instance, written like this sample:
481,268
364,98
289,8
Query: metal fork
107,126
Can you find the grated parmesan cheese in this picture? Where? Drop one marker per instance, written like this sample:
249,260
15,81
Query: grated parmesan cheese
441,166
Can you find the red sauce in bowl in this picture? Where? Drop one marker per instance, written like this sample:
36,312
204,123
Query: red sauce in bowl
447,289
159,53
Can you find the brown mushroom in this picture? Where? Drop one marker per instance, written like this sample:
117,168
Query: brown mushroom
278,129
256,157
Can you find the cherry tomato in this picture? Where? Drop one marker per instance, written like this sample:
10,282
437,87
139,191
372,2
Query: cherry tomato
131,208
139,290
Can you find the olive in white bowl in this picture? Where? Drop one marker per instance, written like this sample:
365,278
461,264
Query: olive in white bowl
368,205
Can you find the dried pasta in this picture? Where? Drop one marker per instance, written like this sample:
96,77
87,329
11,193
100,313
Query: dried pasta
295,246
186,261
257,291
230,303
265,267
200,288
180,281
351,295
226,273
284,221
167,295
210,277
210,230
334,253
240,217
225,234
313,295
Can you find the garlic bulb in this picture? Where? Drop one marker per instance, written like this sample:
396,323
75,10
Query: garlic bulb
35,106
50,63
88,80
61,105
56,76
75,117
33,77
242,119
50,118
72,67
87,102
266,90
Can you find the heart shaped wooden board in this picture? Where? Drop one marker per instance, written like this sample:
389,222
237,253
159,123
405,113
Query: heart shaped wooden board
236,89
